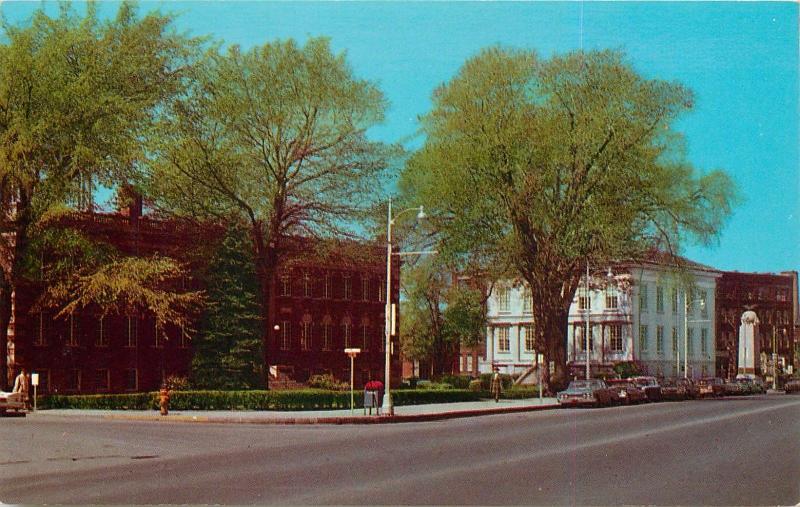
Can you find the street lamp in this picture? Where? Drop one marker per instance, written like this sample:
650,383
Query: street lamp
388,408
352,353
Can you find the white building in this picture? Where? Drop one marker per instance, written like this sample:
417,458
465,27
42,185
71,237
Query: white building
635,315
509,331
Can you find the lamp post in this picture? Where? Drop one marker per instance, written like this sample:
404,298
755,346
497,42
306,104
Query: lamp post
388,408
352,353
588,326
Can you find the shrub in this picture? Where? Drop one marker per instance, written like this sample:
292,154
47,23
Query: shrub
175,383
328,382
305,399
505,379
519,393
457,381
474,385
433,386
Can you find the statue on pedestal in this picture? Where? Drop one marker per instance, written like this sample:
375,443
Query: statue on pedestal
747,345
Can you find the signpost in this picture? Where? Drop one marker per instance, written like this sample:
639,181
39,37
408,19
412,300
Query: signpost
539,364
352,353
34,383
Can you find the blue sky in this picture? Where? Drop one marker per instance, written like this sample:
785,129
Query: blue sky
740,59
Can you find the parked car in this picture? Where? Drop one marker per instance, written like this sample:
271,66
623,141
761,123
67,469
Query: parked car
673,390
650,387
711,386
733,388
751,386
593,392
12,401
627,391
792,387
690,387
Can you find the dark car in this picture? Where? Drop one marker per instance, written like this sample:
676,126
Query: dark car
689,386
733,388
711,386
792,387
650,387
751,385
592,392
673,390
626,390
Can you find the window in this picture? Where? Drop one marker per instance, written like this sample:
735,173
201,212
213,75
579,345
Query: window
643,338
39,340
503,300
286,286
643,297
612,301
102,380
308,286
102,336
326,287
131,379
132,332
704,340
690,342
74,380
530,338
503,341
469,363
704,303
364,335
346,287
659,299
675,300
286,335
674,340
72,337
381,290
347,331
305,333
364,288
615,337
527,300
580,336
326,333
781,295
660,339
584,302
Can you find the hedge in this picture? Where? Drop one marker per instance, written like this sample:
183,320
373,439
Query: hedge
306,399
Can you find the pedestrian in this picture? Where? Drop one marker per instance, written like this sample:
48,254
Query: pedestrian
496,386
21,385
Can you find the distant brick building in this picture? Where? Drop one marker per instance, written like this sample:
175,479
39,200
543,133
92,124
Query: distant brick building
319,307
773,296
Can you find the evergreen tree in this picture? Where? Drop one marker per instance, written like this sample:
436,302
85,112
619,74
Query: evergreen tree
228,348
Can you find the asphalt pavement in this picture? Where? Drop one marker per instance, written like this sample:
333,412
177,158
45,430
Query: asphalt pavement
733,451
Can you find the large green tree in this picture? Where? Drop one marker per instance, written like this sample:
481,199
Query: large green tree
546,164
77,96
227,345
276,137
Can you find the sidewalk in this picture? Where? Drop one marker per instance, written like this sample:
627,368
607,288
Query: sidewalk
411,413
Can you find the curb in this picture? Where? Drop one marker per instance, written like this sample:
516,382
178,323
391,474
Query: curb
330,420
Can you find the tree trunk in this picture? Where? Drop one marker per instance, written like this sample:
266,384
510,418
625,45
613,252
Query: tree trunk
266,261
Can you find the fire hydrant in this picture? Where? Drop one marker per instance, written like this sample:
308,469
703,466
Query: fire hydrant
163,400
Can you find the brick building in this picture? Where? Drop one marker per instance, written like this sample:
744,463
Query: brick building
773,296
320,305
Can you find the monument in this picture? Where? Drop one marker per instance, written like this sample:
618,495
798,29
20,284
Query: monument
747,345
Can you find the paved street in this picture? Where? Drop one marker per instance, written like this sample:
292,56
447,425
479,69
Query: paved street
741,451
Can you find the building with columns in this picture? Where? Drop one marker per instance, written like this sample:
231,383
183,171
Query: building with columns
637,314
